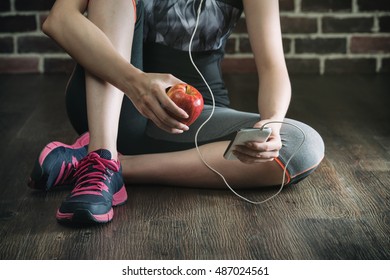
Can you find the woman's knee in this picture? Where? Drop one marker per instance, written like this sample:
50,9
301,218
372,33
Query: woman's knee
303,150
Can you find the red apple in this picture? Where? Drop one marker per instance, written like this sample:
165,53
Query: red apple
187,98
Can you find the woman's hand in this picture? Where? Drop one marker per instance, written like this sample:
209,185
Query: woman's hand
257,152
149,97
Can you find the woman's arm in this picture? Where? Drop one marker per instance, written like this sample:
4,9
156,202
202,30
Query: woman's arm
263,23
91,48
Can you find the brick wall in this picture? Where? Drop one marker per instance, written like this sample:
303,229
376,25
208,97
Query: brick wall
319,36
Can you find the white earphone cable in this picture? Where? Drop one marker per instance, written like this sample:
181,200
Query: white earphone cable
212,113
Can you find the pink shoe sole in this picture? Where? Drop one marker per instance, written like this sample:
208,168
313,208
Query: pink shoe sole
83,216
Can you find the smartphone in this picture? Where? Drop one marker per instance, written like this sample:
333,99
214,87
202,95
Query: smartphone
246,135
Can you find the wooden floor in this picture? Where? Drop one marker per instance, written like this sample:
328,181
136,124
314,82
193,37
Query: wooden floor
341,212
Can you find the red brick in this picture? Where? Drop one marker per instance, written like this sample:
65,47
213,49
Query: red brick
33,5
303,66
286,45
17,23
6,45
230,46
298,25
37,44
384,24
286,5
58,65
19,65
343,65
238,65
374,5
385,68
321,45
245,46
326,5
240,26
369,44
5,5
347,25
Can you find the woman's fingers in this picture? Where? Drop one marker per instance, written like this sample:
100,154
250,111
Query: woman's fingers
256,152
167,122
248,155
152,109
153,103
169,106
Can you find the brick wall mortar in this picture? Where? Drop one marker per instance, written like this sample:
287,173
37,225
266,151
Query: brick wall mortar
316,38
26,61
297,6
320,34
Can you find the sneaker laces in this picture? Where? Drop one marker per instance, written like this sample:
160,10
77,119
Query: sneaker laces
66,172
91,173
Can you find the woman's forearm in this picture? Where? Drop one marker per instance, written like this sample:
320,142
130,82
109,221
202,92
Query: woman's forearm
262,18
274,94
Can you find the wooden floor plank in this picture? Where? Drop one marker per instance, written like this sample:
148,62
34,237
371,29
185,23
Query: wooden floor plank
342,211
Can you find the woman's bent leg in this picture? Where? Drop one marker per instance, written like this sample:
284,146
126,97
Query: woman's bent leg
131,124
103,99
185,168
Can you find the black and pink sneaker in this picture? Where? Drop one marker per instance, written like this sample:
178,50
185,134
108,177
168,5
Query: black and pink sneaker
99,186
56,164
